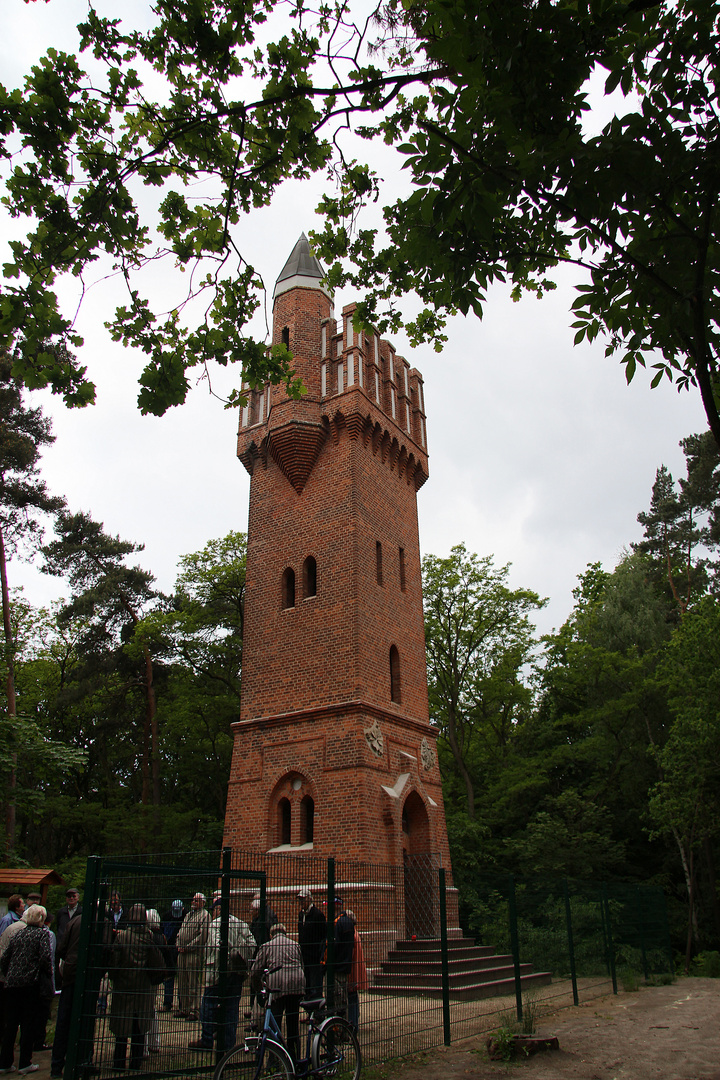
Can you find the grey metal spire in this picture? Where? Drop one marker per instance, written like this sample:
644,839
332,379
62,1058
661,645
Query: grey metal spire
302,270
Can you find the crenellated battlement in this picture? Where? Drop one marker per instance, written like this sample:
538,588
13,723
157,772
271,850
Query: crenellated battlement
356,374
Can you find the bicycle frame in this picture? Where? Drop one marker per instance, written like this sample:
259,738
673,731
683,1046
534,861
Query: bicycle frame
271,1030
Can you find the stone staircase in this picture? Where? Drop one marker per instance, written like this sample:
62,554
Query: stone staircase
475,971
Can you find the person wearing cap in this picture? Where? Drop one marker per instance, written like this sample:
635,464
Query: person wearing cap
282,957
312,932
344,945
191,940
72,908
171,924
241,947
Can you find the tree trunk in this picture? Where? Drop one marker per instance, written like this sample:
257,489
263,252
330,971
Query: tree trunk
709,854
151,723
456,753
691,914
10,820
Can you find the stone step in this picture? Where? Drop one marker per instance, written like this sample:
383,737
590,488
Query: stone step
469,952
496,988
458,979
421,945
433,965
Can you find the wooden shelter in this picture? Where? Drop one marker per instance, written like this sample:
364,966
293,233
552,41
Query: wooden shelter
26,879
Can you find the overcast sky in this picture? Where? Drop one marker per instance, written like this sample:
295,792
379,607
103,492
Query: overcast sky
539,452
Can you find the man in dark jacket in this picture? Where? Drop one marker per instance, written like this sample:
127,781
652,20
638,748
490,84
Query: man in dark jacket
63,918
67,952
344,945
72,909
312,932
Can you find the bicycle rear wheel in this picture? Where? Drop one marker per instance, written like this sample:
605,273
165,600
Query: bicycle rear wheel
336,1050
239,1064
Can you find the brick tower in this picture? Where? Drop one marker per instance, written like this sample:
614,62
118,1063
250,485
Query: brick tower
334,753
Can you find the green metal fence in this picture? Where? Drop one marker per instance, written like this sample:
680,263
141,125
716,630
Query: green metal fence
549,942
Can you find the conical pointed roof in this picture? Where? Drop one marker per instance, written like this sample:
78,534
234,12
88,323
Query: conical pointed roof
302,270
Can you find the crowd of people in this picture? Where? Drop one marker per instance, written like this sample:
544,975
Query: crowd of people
170,964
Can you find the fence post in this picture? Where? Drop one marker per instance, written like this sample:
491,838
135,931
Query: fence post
87,977
571,942
444,957
515,945
330,951
641,931
222,1004
605,905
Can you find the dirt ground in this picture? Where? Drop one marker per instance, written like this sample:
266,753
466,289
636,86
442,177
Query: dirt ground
658,1033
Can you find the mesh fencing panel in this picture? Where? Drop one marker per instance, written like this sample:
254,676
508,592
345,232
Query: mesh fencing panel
166,995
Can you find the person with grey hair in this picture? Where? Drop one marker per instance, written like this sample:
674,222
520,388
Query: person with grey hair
25,963
240,950
191,941
134,958
152,1038
287,983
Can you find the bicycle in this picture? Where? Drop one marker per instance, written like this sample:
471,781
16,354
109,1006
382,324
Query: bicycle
332,1048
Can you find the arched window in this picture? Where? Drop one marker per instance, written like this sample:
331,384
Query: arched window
394,675
309,577
288,588
284,821
307,820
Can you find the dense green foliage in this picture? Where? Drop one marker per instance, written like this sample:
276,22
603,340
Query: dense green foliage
488,107
608,765
142,779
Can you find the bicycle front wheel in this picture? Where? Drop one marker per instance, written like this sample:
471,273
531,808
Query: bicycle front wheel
336,1050
241,1064
276,1064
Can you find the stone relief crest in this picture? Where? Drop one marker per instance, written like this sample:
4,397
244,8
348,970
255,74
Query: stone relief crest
375,739
427,754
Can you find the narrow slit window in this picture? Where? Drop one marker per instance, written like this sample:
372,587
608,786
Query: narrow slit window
288,588
307,810
394,675
286,336
284,821
401,560
309,577
378,562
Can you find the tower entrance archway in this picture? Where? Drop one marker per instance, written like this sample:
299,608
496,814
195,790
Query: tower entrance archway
420,870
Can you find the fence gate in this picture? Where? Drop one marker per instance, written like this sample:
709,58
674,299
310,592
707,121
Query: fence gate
113,887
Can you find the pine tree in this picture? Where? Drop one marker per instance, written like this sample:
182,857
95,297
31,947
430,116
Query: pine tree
24,499
112,598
